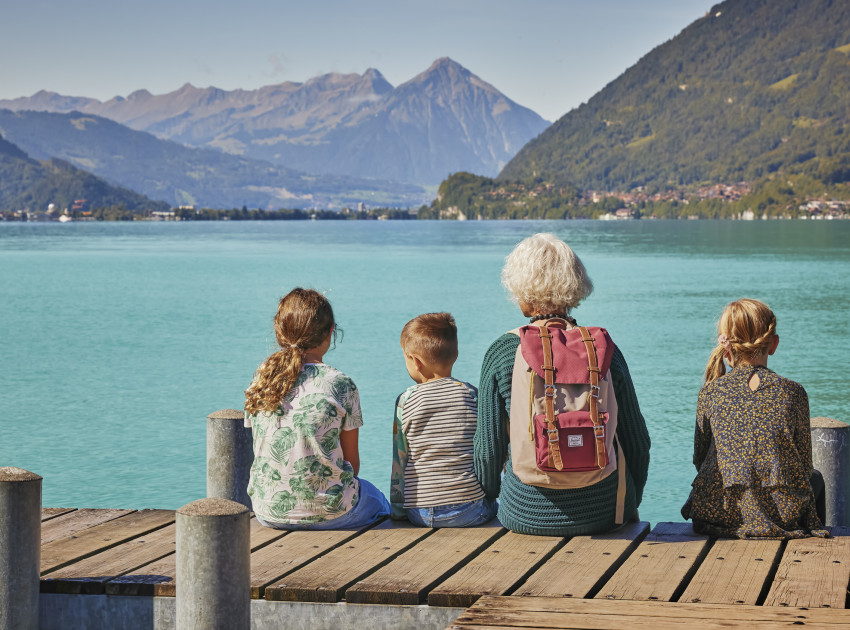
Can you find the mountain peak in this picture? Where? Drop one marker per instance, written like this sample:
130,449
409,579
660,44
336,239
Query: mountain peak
446,63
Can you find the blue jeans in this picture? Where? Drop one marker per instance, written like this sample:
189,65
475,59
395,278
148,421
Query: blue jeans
371,505
459,515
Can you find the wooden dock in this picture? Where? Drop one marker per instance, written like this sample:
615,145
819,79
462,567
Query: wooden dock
655,578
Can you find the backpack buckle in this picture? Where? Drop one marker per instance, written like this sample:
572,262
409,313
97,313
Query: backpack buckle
553,434
599,431
549,391
594,391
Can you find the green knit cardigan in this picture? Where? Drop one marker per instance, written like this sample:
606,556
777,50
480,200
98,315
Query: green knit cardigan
568,512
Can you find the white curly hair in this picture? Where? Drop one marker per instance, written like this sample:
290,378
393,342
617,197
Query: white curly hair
543,272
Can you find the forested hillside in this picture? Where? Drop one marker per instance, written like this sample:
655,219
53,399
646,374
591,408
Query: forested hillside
754,87
29,184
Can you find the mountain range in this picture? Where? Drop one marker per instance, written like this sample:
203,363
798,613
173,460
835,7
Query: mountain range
443,120
754,89
180,175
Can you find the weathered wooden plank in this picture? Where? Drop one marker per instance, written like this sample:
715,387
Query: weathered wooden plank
290,553
496,570
155,579
408,578
325,579
660,566
52,512
734,572
74,521
813,572
58,553
584,563
159,578
91,574
554,613
262,535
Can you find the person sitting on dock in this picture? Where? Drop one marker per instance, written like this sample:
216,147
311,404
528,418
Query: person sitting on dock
305,417
547,280
433,480
752,445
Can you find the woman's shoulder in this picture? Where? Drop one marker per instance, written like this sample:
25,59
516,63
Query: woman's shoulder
502,351
507,342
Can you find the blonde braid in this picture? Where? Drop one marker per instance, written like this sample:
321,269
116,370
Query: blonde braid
750,350
273,380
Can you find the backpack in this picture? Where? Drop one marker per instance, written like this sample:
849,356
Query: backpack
565,436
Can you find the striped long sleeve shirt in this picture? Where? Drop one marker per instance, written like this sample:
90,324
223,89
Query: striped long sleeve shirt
435,424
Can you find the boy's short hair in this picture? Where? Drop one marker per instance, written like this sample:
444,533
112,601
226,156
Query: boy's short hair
431,336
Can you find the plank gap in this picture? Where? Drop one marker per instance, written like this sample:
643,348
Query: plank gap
260,590
618,562
692,571
765,589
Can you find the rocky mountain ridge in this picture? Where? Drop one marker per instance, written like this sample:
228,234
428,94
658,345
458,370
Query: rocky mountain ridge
445,119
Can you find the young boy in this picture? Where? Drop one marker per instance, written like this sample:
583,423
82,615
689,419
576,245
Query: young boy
433,478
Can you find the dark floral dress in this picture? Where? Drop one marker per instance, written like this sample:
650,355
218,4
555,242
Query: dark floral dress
753,454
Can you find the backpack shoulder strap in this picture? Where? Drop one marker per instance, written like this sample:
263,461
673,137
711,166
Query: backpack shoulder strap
593,372
549,398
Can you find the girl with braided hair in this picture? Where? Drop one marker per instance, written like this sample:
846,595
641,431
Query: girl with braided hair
305,416
752,446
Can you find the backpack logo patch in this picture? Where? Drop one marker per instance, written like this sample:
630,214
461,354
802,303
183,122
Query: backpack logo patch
574,441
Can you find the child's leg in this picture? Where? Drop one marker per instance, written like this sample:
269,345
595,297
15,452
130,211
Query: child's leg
371,506
421,517
469,514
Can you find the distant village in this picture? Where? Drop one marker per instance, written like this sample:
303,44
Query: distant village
629,202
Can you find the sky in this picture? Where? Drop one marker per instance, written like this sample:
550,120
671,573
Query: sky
548,55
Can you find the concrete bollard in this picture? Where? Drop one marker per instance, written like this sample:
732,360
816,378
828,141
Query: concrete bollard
213,566
20,548
831,456
230,453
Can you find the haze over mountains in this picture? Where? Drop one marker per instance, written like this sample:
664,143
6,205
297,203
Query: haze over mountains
444,120
180,175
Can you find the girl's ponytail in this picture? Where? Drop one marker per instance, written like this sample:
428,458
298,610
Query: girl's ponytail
273,380
715,368
303,321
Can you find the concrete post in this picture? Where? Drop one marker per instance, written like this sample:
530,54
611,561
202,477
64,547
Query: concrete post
831,456
20,548
213,566
230,453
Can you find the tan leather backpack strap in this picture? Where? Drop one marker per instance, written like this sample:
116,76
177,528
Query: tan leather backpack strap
549,399
593,369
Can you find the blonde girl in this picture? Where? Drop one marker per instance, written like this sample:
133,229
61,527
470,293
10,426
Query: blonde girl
305,417
752,446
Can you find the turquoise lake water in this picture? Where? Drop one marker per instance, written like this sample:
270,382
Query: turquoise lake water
118,339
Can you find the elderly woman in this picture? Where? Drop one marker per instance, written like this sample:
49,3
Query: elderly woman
547,280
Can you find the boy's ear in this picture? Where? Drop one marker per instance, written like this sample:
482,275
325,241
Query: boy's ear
417,362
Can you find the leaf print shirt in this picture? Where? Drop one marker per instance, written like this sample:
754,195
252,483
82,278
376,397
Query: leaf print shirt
299,475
